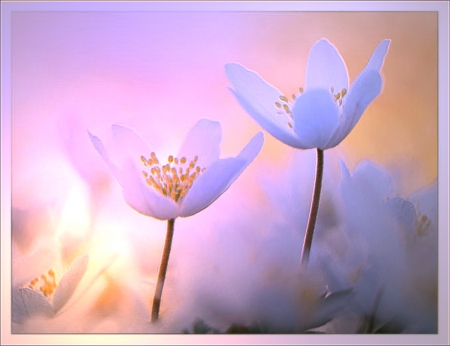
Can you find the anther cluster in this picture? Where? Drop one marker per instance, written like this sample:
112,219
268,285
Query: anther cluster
48,283
173,179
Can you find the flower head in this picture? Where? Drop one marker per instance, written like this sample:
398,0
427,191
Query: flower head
183,185
325,111
43,296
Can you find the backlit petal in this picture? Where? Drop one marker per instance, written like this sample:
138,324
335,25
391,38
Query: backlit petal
258,98
315,118
325,68
210,185
377,59
144,199
127,144
363,91
203,140
70,281
98,145
369,179
27,303
136,192
218,178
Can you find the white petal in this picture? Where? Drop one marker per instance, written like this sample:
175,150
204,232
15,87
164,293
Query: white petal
363,91
127,144
377,59
258,98
219,177
144,199
203,140
252,148
136,192
27,302
325,68
104,155
70,281
315,118
210,185
373,179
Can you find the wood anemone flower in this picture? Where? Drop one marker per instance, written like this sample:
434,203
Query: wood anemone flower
321,116
325,112
185,185
43,296
188,182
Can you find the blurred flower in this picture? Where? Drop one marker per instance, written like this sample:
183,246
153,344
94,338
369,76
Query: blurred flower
251,276
44,296
325,112
397,250
188,183
79,151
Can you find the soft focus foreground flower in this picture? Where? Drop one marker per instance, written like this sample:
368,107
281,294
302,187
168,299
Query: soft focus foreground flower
250,280
187,183
368,239
43,296
325,111
397,278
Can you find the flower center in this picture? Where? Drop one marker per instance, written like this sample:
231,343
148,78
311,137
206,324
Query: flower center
173,179
284,105
48,284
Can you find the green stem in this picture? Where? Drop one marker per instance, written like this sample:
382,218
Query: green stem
314,209
162,270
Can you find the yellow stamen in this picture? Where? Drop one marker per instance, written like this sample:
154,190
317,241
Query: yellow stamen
283,98
339,96
172,179
48,283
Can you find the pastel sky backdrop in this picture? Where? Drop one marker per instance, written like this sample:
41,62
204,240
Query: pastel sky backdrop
159,72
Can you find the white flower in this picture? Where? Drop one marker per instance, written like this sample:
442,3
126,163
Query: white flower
44,296
188,183
397,246
325,112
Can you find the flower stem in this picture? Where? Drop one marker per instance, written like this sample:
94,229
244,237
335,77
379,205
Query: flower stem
162,270
314,209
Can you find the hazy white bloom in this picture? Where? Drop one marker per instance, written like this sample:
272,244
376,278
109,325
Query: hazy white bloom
250,279
325,111
43,296
251,276
397,249
187,183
